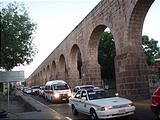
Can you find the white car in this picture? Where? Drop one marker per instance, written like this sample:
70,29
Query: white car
28,90
41,91
100,105
77,88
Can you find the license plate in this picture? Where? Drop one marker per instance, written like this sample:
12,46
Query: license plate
122,111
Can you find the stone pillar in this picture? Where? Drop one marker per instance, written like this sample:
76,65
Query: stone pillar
91,74
61,76
131,75
73,78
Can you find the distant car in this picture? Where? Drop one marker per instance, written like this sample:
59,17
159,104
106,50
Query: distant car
81,87
35,90
24,89
28,91
155,106
99,104
41,91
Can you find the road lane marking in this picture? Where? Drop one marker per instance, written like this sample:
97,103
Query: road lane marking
68,118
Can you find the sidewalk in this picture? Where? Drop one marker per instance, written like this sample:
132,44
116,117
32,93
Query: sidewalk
40,112
143,103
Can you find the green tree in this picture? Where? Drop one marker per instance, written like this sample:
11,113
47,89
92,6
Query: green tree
150,48
106,54
17,30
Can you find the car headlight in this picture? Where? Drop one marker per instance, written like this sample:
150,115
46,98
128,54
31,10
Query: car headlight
108,107
69,94
130,104
56,95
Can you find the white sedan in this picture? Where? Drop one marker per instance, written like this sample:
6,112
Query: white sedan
99,104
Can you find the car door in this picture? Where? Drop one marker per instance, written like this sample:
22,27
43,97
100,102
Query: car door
84,100
77,100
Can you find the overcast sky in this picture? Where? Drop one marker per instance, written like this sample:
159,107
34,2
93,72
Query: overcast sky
57,18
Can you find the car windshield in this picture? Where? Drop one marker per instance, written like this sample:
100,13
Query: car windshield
99,94
61,87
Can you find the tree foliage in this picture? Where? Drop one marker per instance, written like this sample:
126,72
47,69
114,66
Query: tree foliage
107,52
17,30
150,48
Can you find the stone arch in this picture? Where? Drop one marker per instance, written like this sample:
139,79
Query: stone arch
53,70
44,76
41,78
74,56
48,72
135,22
62,68
94,43
132,61
62,63
74,73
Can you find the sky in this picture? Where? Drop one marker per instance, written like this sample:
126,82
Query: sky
57,18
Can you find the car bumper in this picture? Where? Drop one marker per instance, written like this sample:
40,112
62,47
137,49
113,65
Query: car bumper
116,113
153,108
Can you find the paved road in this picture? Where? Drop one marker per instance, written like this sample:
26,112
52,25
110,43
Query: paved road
141,113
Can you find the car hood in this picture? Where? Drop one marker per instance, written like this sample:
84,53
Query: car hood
110,101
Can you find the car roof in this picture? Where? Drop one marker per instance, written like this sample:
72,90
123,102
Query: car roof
84,86
92,89
55,82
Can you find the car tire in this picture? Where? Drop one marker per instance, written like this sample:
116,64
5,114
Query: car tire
158,113
93,115
74,110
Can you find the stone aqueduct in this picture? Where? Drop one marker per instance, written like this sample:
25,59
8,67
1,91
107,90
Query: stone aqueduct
125,19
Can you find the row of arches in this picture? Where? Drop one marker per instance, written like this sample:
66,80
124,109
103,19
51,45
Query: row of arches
125,22
57,69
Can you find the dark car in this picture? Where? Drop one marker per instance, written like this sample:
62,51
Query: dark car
155,106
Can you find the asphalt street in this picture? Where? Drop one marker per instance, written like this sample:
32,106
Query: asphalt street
141,113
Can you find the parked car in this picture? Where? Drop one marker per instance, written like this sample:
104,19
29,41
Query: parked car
35,90
81,87
28,91
57,91
99,104
155,106
41,91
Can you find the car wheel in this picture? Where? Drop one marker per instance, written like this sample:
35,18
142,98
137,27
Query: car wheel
158,113
74,111
93,115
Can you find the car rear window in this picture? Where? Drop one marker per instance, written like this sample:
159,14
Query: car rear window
157,92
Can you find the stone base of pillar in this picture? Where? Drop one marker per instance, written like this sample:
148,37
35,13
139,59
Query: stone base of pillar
131,76
91,75
73,78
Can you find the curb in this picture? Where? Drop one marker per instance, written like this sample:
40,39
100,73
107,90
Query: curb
142,105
